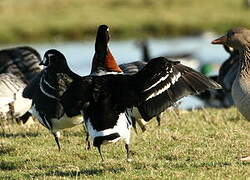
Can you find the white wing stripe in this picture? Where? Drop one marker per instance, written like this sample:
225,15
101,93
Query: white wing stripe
159,81
159,91
173,80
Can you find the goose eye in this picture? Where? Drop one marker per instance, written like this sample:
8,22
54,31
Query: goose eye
231,34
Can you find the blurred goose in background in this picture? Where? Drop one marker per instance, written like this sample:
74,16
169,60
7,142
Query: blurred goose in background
239,39
13,106
45,91
22,61
18,66
107,99
214,98
221,98
186,59
229,69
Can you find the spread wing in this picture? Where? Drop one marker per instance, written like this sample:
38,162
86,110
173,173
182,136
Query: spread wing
158,86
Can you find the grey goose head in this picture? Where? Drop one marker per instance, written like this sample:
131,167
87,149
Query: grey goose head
238,38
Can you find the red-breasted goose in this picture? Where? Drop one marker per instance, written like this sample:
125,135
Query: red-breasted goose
106,100
239,39
46,89
104,63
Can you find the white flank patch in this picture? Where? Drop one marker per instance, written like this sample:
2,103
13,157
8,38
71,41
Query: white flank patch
173,80
121,128
44,92
159,81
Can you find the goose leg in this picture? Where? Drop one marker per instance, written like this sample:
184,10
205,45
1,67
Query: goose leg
134,124
128,152
141,124
158,118
87,138
57,141
99,150
87,141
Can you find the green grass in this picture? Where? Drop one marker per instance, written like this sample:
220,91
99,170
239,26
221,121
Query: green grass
202,144
54,20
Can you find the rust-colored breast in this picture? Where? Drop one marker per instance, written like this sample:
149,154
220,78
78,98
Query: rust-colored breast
111,64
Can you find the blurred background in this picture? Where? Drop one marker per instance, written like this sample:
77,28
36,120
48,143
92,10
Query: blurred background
166,27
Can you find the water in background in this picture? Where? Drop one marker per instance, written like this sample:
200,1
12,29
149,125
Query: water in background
79,54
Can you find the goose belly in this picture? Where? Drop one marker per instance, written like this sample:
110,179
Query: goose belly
122,128
241,97
57,124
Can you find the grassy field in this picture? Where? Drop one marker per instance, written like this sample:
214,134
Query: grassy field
201,144
56,20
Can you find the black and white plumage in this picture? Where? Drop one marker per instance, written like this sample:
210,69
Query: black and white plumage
105,99
12,104
132,68
104,63
46,90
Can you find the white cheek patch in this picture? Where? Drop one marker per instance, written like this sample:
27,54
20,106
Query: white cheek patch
159,91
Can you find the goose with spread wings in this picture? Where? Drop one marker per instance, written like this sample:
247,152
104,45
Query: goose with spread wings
106,99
